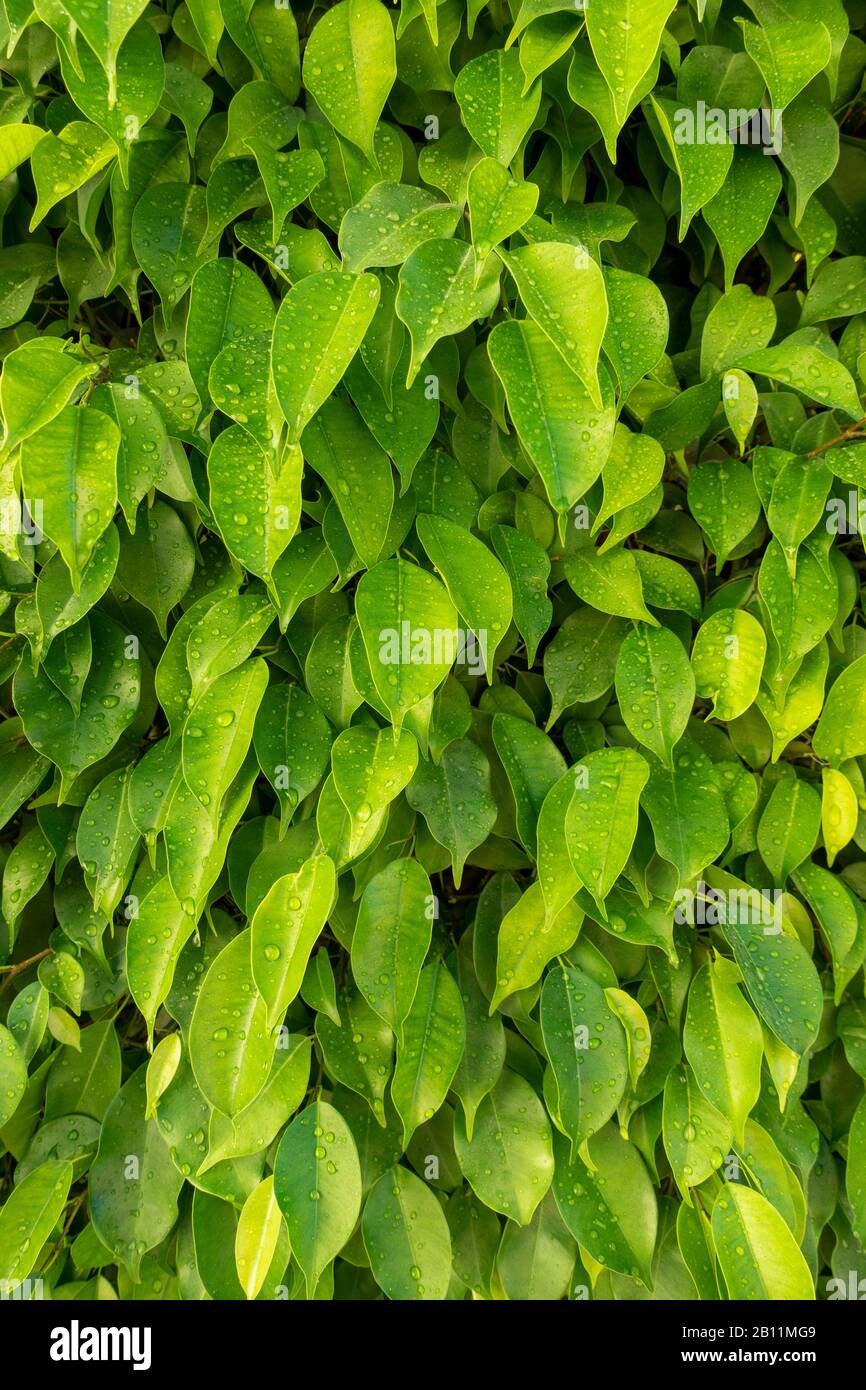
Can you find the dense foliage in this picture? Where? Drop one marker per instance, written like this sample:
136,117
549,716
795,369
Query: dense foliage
433,755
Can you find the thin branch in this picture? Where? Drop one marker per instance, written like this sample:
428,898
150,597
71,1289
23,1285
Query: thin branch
840,438
10,971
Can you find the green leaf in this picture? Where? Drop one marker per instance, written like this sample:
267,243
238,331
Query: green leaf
702,167
318,330
241,386
13,1075
24,873
391,939
801,607
167,229
474,1240
586,1046
637,327
406,1238
259,1228
262,1119
28,1217
390,222
601,820
564,293
508,1162
371,768
133,1184
230,1043
187,96
738,214
580,662
527,567
484,1054
359,1052
723,1043
836,910
24,269
39,378
85,1081
350,67
439,294
303,569
856,1172
727,660
213,640
696,1135
797,504
616,1219
227,302
68,466
625,40
532,932
655,688
838,736
110,697
689,822
157,562
633,469
536,1261
289,177
498,205
759,1257
256,499
17,143
788,55
455,798
839,812
409,627
284,929
533,765
358,473
725,503
161,1070
292,739
478,584
739,316
789,826
838,291
317,1184
778,974
124,98
105,27
430,1049
609,582
493,106
567,438
809,370
142,457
